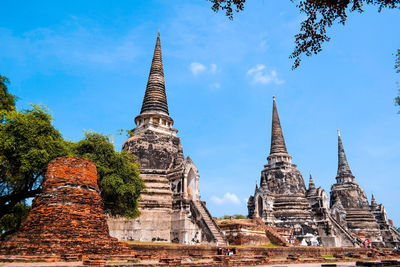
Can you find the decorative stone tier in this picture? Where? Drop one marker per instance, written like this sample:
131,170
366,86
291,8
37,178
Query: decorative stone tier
350,194
283,178
291,206
154,223
294,211
67,217
359,218
155,150
281,201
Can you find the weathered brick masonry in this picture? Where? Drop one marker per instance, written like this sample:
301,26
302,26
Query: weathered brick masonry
67,217
159,251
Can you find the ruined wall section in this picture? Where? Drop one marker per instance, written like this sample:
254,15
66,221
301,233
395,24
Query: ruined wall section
67,217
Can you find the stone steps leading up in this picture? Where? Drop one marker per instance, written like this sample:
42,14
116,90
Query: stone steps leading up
216,232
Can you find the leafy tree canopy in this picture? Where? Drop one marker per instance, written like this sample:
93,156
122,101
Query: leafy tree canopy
320,15
12,221
118,174
7,101
29,141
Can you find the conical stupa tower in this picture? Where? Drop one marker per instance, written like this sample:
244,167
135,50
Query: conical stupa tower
344,173
359,218
281,198
158,149
171,180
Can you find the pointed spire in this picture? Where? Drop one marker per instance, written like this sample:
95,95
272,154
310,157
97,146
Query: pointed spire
277,141
343,166
311,184
312,191
155,99
373,201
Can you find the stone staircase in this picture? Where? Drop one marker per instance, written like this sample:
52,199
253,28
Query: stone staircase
344,231
157,193
275,237
211,224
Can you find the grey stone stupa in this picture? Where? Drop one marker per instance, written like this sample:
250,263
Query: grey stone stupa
171,209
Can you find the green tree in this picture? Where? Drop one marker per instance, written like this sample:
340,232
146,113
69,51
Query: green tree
12,221
7,100
118,174
28,141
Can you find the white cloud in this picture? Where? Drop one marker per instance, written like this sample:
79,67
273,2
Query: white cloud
262,76
263,45
226,199
197,68
215,85
213,68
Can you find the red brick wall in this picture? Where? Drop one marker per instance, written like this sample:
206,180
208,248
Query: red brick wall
67,216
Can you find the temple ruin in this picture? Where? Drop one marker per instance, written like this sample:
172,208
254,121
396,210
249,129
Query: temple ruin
67,217
171,209
350,207
282,200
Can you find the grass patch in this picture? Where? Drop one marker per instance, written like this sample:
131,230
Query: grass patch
270,245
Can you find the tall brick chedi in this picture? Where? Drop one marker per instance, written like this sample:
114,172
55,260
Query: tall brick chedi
171,209
67,217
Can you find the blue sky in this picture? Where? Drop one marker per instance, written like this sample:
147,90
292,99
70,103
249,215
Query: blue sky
89,63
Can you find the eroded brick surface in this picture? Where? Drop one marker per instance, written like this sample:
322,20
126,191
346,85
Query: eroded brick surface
67,217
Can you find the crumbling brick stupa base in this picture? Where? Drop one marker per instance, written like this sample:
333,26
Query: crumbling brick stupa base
67,217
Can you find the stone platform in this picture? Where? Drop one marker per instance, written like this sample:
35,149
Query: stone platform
199,255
